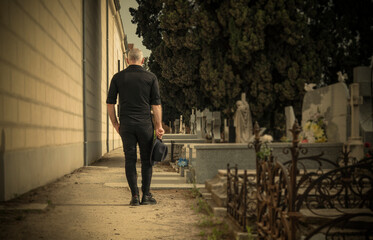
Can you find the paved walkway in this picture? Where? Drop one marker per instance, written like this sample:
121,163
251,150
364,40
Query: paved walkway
93,203
164,177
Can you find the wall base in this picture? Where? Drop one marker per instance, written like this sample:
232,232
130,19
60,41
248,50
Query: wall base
25,170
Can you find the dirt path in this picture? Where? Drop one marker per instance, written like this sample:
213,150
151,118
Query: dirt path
82,207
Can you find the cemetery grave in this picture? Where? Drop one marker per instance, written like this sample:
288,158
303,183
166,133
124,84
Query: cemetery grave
291,201
333,117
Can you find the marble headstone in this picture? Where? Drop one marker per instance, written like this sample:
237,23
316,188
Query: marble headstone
216,126
199,123
208,128
193,122
203,124
290,119
181,124
355,141
332,103
363,76
176,125
226,130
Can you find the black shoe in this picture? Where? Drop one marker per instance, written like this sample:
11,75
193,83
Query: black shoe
148,199
135,201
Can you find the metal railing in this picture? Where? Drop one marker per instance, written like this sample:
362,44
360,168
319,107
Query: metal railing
285,197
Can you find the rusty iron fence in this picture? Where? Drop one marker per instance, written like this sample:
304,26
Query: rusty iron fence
241,196
334,198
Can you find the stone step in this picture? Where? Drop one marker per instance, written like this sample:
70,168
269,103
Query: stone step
182,141
206,195
216,210
219,196
179,136
166,185
160,180
250,172
215,182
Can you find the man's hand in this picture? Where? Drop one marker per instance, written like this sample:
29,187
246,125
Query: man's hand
157,111
159,132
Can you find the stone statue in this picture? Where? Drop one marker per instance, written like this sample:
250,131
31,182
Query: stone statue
242,121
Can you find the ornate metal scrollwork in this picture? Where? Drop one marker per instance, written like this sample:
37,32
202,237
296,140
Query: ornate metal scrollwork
348,226
343,188
283,192
273,201
241,193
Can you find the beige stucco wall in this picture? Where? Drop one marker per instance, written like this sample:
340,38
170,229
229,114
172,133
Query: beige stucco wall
41,90
115,46
104,80
93,68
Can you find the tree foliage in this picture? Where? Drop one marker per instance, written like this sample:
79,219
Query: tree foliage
146,16
343,32
206,52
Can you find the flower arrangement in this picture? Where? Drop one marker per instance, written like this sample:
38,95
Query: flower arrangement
265,151
368,150
182,162
266,138
314,129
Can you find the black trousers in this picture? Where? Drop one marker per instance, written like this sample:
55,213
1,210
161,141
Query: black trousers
141,134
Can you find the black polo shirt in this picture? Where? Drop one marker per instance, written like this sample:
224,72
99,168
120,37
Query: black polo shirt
138,90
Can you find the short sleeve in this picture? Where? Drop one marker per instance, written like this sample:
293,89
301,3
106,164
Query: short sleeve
155,98
113,92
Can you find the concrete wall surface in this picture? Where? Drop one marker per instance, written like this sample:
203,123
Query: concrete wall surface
207,159
42,92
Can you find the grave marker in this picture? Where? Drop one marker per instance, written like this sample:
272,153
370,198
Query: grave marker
355,141
199,123
331,102
216,127
290,119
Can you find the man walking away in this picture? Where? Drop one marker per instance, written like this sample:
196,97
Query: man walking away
138,92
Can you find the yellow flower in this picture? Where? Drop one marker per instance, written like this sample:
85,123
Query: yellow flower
307,125
321,140
314,127
319,133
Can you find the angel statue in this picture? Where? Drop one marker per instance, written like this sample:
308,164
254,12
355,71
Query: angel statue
242,121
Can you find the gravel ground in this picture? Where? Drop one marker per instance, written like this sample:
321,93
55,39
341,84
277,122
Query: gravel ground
81,207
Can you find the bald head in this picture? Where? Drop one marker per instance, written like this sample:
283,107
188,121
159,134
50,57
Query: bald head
135,57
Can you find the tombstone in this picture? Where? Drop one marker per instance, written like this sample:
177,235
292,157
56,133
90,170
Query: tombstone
355,141
330,102
226,130
290,119
231,131
216,127
181,124
363,76
208,132
242,121
199,123
203,123
176,125
193,122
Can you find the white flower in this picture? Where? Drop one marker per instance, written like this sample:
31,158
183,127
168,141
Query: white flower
266,138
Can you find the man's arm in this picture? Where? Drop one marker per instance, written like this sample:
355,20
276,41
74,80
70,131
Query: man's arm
157,111
112,115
